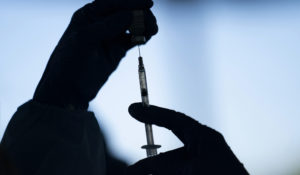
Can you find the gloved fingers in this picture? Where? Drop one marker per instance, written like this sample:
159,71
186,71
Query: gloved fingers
107,29
172,162
116,49
184,127
114,26
119,45
84,16
97,10
111,6
151,27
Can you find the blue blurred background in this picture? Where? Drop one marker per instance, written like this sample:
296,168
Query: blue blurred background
232,65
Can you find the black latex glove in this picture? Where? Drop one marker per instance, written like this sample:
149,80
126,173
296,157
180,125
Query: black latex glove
90,50
205,150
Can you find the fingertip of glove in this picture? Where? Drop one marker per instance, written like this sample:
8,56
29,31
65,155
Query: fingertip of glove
135,108
144,4
140,112
151,3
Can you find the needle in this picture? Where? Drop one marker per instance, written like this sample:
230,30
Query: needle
139,50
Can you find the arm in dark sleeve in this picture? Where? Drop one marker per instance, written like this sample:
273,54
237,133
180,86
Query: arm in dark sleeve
45,136
43,139
89,51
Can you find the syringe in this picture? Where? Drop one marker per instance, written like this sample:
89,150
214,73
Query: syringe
151,148
137,29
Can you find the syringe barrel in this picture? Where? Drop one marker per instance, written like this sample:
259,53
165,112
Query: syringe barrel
143,83
151,148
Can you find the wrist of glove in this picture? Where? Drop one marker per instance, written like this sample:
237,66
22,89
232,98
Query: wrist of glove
90,50
205,151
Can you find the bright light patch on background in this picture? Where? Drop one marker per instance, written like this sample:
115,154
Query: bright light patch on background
233,66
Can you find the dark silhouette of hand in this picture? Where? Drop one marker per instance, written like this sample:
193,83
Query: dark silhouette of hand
90,50
205,150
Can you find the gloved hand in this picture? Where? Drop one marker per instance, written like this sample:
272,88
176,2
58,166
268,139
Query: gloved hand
205,150
90,50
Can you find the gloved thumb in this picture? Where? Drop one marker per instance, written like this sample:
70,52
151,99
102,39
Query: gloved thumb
182,126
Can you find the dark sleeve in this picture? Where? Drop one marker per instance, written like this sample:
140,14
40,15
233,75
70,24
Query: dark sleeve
42,140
